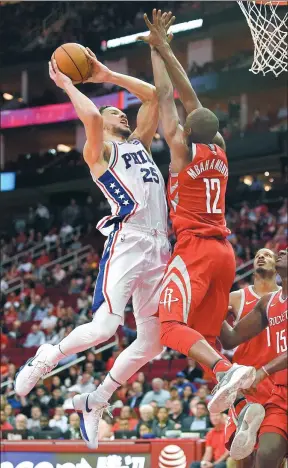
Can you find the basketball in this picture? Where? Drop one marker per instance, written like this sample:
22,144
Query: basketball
72,60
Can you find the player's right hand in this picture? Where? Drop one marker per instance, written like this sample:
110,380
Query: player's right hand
158,29
58,77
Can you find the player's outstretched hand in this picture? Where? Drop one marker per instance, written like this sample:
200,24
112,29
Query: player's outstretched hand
159,34
60,79
99,72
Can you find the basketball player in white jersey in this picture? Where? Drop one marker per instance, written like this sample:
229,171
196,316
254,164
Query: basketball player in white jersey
136,251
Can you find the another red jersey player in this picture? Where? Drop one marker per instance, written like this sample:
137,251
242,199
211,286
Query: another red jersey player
270,311
241,304
198,279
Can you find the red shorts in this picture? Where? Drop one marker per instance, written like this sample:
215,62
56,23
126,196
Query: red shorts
197,283
263,392
276,418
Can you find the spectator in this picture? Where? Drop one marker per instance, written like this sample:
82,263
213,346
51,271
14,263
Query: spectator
192,372
65,230
181,382
71,213
4,424
59,420
137,395
42,212
57,398
35,338
68,403
146,417
4,366
105,430
176,413
56,383
203,394
58,274
128,415
44,426
21,422
142,379
157,394
198,422
162,424
72,377
51,237
49,322
215,454
34,422
73,431
4,341
186,398
10,418
26,266
42,396
43,259
144,431
86,384
34,306
15,331
174,394
42,311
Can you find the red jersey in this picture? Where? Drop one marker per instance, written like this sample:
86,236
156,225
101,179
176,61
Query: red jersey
277,317
197,194
259,350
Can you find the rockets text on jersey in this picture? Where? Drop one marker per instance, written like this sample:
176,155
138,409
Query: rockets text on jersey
277,319
134,188
197,194
245,353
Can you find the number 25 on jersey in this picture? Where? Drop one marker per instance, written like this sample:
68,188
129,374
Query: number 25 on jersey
213,188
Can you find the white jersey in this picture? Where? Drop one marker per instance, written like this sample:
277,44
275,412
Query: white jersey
134,188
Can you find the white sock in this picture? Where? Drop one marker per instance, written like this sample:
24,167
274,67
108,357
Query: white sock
103,326
56,355
105,390
143,349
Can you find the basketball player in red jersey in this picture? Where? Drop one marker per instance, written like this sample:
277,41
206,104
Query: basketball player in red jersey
241,303
271,310
198,279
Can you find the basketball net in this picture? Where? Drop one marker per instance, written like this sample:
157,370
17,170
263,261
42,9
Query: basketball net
269,34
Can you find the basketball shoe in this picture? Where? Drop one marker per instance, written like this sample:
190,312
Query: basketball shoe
90,414
34,369
225,392
241,432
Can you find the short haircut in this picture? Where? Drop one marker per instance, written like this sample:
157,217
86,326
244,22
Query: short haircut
102,109
202,403
202,125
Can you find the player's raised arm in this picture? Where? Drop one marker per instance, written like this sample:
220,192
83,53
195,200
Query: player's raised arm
188,96
251,325
148,115
173,132
87,113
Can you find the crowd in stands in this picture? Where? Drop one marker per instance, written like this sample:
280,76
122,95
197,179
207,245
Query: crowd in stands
147,407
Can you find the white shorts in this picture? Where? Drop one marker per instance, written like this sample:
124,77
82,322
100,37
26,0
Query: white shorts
133,264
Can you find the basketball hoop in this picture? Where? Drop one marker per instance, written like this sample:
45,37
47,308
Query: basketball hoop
269,33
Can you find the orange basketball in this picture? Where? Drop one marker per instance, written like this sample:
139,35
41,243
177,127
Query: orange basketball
71,59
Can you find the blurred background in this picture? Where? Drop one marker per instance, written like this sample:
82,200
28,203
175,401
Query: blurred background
50,249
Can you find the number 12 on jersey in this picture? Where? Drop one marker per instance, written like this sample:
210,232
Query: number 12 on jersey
213,188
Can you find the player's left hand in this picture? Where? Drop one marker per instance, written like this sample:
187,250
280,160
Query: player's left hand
260,375
158,29
99,72
60,79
